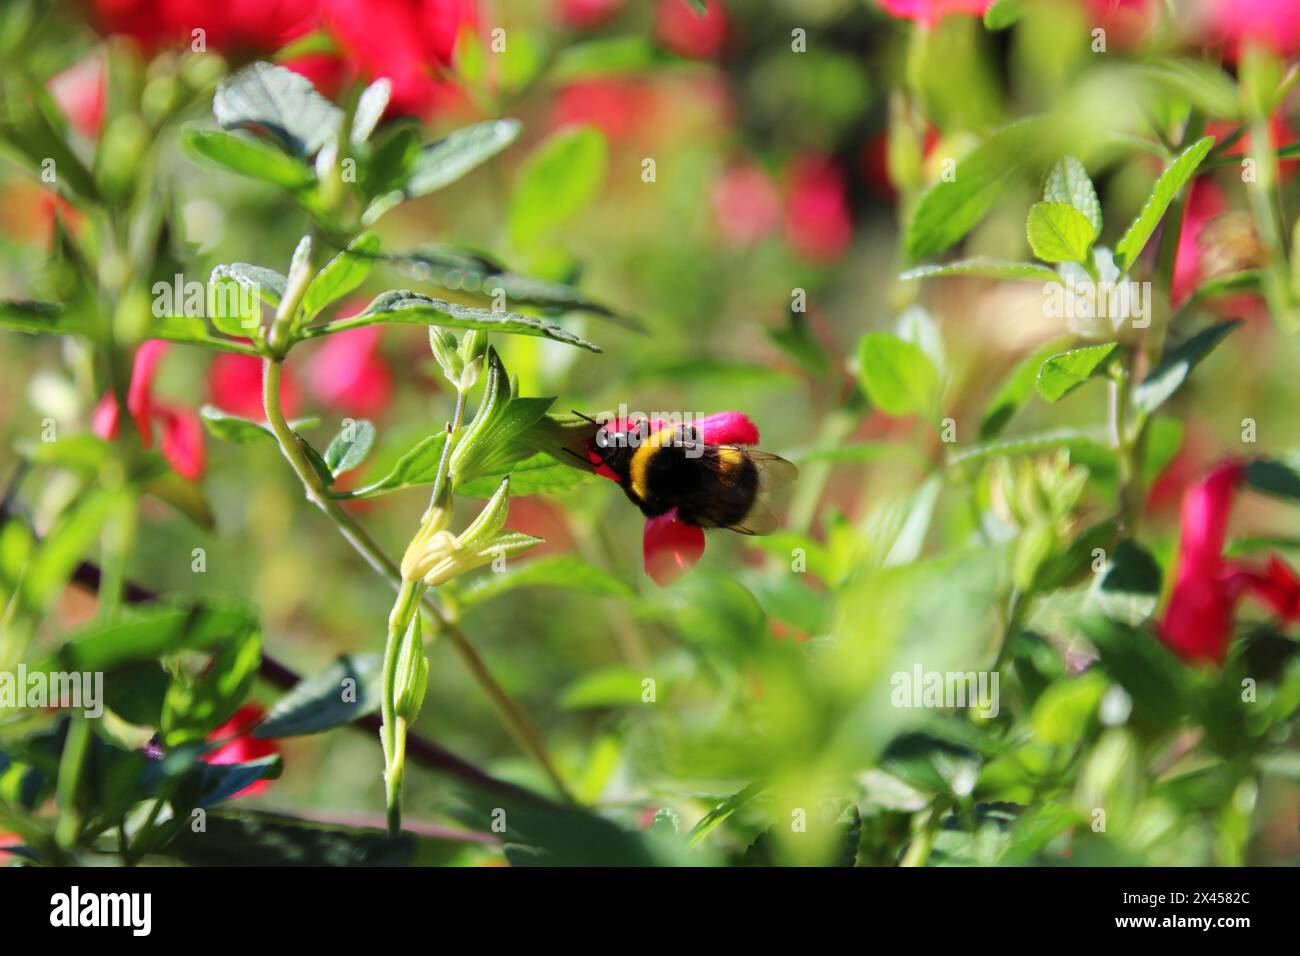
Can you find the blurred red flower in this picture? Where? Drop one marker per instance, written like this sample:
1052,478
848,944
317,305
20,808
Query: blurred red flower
240,746
348,373
1274,24
1197,624
79,93
235,386
584,14
616,107
929,12
1125,21
686,33
818,226
670,546
407,41
182,432
232,26
746,205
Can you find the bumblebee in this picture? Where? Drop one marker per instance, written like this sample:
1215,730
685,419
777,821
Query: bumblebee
712,486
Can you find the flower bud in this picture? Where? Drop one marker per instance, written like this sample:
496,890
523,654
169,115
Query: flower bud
411,679
443,345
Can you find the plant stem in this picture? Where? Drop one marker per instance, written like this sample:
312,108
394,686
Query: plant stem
513,716
393,729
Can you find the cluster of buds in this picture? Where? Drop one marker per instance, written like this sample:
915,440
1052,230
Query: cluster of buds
436,555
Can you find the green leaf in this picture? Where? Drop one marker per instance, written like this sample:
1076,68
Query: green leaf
1094,441
232,428
1167,377
1128,590
463,150
1273,477
1002,14
254,838
370,108
341,274
34,317
606,56
1171,181
604,688
402,305
417,466
246,156
347,690
66,546
196,705
982,266
1063,713
282,102
191,330
531,474
722,811
243,431
1068,182
560,177
467,271
350,447
233,309
1058,232
1246,281
1016,389
1197,82
950,209
561,571
147,632
266,284
898,376
1064,372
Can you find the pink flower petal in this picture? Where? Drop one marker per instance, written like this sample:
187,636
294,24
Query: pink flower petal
182,441
104,420
139,396
727,428
671,547
349,375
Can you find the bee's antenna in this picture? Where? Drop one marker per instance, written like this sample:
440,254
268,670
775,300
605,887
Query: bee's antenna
585,418
585,462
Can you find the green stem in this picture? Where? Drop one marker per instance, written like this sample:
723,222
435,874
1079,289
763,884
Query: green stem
71,765
516,721
393,729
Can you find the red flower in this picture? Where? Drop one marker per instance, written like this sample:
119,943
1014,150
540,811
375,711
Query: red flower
671,547
746,205
1270,23
818,226
232,26
238,745
1197,624
348,374
686,33
182,433
1125,21
584,14
616,107
407,41
929,12
79,93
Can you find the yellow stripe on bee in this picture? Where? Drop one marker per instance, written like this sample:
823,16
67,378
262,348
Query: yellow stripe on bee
641,458
729,456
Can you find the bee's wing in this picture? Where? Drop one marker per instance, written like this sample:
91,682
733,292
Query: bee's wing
760,520
774,472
